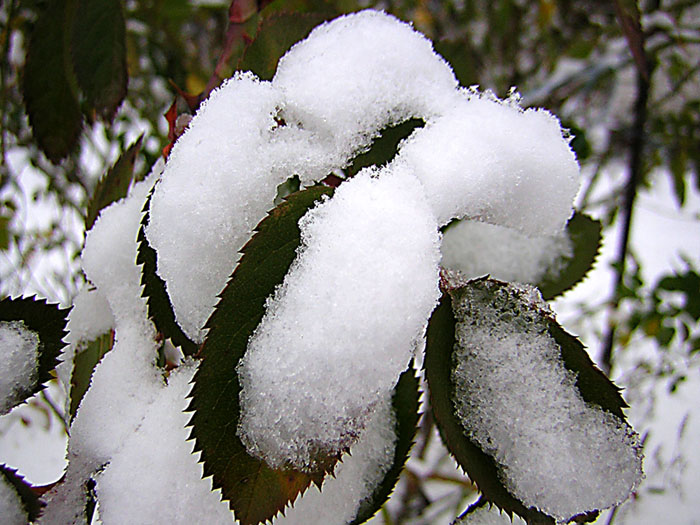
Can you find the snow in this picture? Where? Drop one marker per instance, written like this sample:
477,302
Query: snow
358,74
355,478
219,182
369,259
11,507
491,160
516,399
477,248
168,487
89,318
19,361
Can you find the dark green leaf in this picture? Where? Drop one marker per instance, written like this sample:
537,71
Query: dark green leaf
31,502
160,310
585,236
276,34
4,233
255,491
49,90
383,149
99,55
405,403
462,57
48,321
114,185
84,365
479,466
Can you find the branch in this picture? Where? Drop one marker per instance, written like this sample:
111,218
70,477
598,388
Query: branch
634,178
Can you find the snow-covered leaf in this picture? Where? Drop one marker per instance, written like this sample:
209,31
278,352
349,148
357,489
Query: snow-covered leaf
585,236
49,89
31,331
255,491
276,34
160,309
405,402
84,364
479,466
29,500
99,55
384,147
115,183
522,407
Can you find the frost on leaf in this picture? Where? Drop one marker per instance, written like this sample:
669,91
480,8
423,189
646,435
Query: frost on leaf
255,491
31,333
522,407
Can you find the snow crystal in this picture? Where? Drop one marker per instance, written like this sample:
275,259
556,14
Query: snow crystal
517,400
359,73
19,359
344,324
11,507
491,160
355,478
478,248
155,477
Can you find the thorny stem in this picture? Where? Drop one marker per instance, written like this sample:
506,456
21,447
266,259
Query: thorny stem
629,196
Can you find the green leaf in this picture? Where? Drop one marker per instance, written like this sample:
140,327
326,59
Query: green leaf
84,365
5,232
405,402
48,321
383,148
585,236
31,502
479,466
277,33
99,55
48,87
160,310
114,185
509,304
255,491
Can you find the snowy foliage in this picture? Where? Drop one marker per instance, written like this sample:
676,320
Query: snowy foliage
320,369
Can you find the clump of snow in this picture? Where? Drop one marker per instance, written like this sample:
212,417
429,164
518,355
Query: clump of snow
359,73
218,184
491,160
516,399
126,379
477,248
89,318
356,477
11,507
343,326
155,477
19,361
